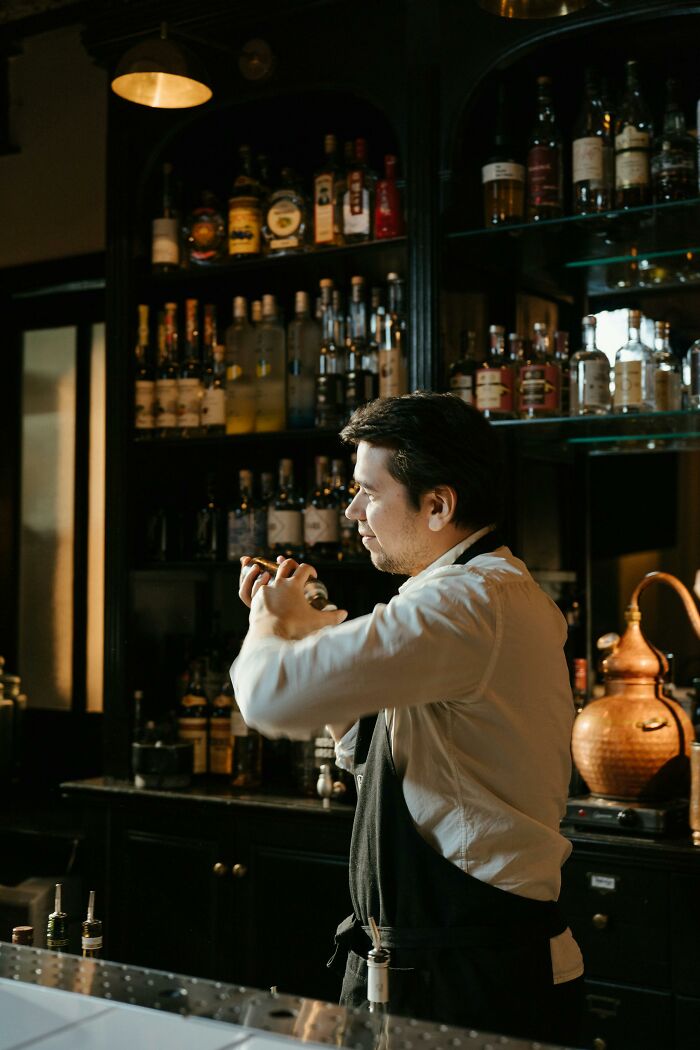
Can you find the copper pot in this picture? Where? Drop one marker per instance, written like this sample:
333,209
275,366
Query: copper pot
634,743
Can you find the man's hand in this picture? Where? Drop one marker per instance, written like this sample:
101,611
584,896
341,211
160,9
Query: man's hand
278,606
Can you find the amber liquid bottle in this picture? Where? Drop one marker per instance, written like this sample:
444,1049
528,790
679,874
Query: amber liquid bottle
502,177
633,134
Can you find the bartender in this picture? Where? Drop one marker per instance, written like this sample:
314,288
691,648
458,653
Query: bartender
452,706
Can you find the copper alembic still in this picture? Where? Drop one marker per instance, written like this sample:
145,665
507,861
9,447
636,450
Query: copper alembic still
634,742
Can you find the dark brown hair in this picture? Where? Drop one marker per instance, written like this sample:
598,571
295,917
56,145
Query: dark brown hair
437,439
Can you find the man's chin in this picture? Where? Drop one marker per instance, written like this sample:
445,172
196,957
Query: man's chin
384,563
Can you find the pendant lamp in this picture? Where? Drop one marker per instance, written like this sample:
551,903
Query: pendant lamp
162,74
532,8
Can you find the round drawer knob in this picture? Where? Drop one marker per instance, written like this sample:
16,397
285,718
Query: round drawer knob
600,921
219,869
239,871
599,1044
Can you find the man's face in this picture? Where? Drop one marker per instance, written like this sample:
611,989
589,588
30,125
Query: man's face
393,531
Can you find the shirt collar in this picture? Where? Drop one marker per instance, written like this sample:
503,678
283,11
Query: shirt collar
449,557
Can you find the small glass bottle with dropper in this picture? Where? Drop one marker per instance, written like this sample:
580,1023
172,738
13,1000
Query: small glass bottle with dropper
91,931
57,927
315,591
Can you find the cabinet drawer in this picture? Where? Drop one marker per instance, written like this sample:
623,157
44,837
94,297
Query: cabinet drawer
630,894
618,1018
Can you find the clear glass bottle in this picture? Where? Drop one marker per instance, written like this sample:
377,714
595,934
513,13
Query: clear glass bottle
502,176
376,308
495,379
189,383
545,186
668,386
634,372
359,381
461,373
240,371
208,526
245,209
673,161
347,531
633,135
330,378
260,510
327,230
166,394
693,373
321,514
589,375
205,232
144,380
285,524
286,224
303,345
240,525
358,198
271,360
165,233
393,364
592,152
213,377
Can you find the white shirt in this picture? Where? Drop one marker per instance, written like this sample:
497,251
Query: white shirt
468,663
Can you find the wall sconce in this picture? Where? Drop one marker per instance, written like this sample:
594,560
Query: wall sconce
532,8
162,74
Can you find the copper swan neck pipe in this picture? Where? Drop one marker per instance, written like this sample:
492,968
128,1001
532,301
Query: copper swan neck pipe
680,589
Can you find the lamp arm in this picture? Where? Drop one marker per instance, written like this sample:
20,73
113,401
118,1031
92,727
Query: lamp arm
679,588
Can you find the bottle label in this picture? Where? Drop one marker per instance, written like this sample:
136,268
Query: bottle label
220,750
320,525
284,220
165,246
552,388
356,208
214,407
628,383
631,158
240,535
502,171
284,527
238,726
494,389
324,210
144,403
390,372
189,401
93,943
589,160
54,943
244,223
667,390
463,386
594,391
531,382
195,731
165,408
543,174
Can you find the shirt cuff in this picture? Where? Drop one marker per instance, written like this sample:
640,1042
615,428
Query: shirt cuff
345,749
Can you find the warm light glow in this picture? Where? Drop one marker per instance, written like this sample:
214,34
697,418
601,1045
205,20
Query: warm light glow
96,526
161,90
532,8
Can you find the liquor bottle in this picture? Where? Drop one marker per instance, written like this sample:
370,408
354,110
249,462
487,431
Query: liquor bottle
667,371
240,530
502,176
144,381
220,741
286,224
592,153
166,386
589,375
247,751
342,499
205,232
561,359
673,160
545,194
321,514
358,198
189,383
193,719
538,378
376,308
285,515
213,377
461,374
495,379
57,926
330,381
91,938
388,216
693,372
208,527
326,225
165,238
240,371
244,209
634,372
303,344
393,370
260,509
270,368
359,381
633,133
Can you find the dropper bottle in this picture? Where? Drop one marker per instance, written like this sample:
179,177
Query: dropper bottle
57,927
91,934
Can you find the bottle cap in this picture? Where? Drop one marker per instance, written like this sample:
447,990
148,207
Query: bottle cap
256,311
329,142
635,317
240,307
357,280
326,282
301,302
269,306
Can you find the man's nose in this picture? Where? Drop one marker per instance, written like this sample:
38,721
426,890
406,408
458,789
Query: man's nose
356,509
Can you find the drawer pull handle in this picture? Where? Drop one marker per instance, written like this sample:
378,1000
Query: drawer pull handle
600,921
239,871
219,869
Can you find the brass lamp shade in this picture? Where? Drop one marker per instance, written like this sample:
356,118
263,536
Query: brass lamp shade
532,8
162,74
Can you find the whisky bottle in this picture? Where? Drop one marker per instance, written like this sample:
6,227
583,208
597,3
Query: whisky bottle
285,532
247,751
634,372
667,371
270,368
393,365
633,133
388,216
244,209
461,374
220,739
165,237
91,940
57,927
673,161
208,527
589,375
144,381
326,180
189,384
192,721
286,224
240,530
359,381
592,152
539,378
213,377
303,344
240,371
166,385
545,199
330,380
321,514
495,379
358,198
502,177
205,232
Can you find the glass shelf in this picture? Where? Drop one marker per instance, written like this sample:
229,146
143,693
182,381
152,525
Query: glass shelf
203,568
233,441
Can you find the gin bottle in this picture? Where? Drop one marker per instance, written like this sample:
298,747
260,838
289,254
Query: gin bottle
213,377
330,380
285,534
166,386
189,384
667,371
321,513
673,162
240,371
589,376
303,344
270,394
240,531
634,372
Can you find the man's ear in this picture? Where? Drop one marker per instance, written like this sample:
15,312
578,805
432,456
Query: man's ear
442,506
